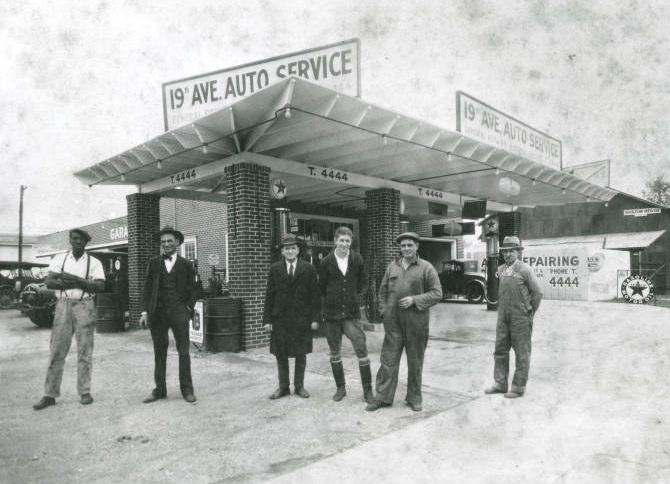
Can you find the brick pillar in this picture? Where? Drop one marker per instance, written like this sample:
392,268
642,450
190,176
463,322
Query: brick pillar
143,224
383,226
249,245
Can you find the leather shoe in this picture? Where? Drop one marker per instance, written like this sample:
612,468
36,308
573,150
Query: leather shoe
415,406
493,389
189,397
513,395
280,392
301,392
86,399
154,396
44,403
340,393
376,405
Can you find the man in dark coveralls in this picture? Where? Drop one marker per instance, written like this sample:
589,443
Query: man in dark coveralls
167,303
409,288
519,297
292,302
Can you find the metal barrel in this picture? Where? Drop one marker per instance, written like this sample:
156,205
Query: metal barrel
108,316
223,324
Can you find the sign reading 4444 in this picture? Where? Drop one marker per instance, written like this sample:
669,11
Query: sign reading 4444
637,289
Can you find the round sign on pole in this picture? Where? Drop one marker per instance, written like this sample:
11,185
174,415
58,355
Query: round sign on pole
278,188
637,289
213,259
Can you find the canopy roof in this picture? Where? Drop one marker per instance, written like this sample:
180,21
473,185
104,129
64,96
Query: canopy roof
623,240
294,124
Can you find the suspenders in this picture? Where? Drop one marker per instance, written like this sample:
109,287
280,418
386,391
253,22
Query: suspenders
88,267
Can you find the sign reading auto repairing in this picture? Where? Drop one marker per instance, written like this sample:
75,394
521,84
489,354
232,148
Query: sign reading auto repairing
563,273
480,121
336,66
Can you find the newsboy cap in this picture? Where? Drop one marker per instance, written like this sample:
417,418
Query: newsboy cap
510,243
85,235
407,235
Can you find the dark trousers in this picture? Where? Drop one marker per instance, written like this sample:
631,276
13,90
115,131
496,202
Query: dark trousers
175,318
298,375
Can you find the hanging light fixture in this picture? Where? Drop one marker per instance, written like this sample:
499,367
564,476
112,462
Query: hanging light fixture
534,182
497,171
563,191
287,113
159,165
205,150
123,177
385,139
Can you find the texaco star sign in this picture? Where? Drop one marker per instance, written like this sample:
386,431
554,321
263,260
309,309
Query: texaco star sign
637,289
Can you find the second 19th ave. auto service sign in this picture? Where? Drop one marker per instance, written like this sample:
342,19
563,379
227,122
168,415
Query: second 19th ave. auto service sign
637,289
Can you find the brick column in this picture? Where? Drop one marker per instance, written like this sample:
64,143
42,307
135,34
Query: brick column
383,226
249,245
143,224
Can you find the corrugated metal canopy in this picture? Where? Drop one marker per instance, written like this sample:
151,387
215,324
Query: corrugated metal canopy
300,122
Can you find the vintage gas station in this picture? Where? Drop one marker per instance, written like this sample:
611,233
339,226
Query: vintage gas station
299,146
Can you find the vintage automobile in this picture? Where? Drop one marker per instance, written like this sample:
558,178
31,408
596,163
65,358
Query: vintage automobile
38,302
463,278
15,276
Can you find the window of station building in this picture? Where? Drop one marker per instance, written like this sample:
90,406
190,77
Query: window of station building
189,249
319,231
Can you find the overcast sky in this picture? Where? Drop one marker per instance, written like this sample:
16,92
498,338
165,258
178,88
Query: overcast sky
82,80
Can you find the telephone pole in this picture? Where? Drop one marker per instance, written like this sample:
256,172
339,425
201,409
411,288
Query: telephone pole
23,188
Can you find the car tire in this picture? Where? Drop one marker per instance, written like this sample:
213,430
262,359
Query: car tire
475,293
44,318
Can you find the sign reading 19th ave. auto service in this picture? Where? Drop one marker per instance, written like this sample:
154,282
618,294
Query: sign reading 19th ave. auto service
484,123
336,66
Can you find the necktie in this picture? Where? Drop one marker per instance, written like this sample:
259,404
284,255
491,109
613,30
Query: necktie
290,270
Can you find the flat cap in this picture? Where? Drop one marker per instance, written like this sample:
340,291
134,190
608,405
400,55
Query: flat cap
83,234
408,235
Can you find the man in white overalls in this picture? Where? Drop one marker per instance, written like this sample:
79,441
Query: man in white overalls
76,277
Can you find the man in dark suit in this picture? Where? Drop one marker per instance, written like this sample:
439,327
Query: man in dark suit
167,303
292,301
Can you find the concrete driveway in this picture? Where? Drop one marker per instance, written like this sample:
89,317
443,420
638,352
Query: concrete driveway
595,409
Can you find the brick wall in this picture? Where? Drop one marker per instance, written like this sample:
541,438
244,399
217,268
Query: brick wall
249,243
207,222
383,226
143,224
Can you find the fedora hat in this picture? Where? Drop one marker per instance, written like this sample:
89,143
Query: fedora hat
510,242
169,230
288,239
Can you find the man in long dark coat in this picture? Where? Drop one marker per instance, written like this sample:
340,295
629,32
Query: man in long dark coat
292,302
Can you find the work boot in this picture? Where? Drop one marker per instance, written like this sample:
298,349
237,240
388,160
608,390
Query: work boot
280,392
86,399
366,379
512,394
338,373
494,389
376,405
44,403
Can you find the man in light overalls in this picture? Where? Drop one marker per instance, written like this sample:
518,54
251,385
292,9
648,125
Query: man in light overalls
76,277
519,297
